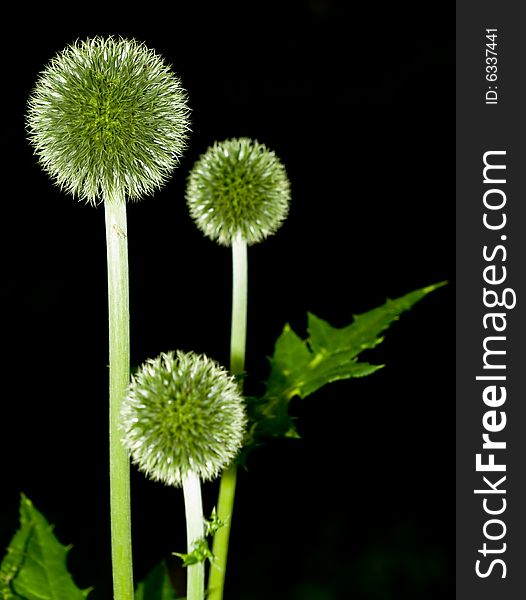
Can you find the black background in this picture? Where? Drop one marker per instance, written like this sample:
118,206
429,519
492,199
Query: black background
358,104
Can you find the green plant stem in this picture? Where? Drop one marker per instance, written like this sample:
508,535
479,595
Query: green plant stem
195,531
119,351
238,331
227,486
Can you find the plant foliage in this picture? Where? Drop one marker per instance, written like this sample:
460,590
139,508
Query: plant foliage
34,567
299,366
156,586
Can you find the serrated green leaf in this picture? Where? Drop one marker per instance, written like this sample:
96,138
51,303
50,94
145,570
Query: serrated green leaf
156,586
300,367
13,560
35,565
200,553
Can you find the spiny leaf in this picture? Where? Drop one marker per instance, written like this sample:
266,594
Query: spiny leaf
300,367
35,565
156,586
214,523
13,560
200,553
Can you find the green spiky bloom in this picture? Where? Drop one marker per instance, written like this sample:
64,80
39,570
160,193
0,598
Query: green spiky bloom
108,115
182,413
238,187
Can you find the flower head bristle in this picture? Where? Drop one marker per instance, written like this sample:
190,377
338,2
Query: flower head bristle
182,413
238,187
108,117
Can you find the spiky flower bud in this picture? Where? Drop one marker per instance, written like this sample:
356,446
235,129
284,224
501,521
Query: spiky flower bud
183,413
238,187
108,116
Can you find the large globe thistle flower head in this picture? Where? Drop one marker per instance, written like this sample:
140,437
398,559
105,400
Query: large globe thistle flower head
107,116
183,413
238,187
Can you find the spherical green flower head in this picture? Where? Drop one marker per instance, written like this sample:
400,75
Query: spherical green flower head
238,187
182,413
108,116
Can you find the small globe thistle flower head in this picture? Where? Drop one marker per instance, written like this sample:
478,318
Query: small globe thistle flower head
238,188
108,117
182,413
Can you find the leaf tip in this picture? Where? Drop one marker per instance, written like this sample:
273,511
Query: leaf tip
293,434
432,288
25,500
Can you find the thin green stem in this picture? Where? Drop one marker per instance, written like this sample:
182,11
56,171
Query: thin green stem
227,487
195,531
119,350
225,506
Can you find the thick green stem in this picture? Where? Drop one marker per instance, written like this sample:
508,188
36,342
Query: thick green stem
227,487
238,331
119,347
195,531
